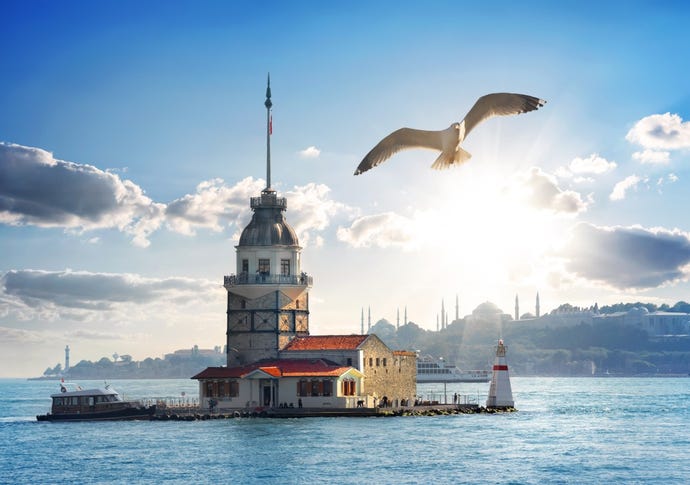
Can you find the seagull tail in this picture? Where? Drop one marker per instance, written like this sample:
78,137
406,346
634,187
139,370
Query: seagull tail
444,161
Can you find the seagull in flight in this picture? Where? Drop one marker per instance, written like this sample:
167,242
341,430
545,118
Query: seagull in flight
448,141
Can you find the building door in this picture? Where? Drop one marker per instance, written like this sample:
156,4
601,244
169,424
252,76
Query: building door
267,395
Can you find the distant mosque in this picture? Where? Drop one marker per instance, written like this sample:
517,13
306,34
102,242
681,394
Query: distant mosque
272,360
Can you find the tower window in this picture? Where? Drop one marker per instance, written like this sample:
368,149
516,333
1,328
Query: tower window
245,266
264,266
285,267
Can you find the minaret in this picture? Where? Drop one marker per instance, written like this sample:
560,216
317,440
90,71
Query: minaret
405,314
397,322
362,321
457,308
66,369
369,320
517,308
437,329
500,392
268,297
537,308
443,313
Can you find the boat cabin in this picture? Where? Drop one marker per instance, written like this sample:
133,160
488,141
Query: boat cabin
85,401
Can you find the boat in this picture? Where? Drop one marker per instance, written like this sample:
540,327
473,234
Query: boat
438,370
73,403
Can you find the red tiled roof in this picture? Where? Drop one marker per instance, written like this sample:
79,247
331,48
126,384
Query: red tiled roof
278,368
326,342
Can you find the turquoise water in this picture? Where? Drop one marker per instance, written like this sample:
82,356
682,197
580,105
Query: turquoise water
589,430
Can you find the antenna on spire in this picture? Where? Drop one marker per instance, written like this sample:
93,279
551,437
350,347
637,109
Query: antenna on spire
269,132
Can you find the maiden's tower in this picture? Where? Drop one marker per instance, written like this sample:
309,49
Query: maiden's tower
268,298
272,361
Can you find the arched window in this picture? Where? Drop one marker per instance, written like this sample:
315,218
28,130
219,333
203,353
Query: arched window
348,387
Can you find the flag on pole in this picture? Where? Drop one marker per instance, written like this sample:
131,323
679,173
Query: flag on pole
270,124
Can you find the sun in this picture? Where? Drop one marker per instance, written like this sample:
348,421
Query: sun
484,231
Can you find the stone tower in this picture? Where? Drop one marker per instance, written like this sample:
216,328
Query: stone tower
268,297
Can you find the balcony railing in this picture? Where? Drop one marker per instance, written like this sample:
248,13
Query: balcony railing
267,279
268,200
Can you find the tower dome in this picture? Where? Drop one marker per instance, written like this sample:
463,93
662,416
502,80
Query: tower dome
268,226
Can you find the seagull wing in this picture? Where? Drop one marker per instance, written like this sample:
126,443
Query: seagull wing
401,139
500,104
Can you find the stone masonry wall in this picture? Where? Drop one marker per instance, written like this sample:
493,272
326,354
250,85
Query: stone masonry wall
387,374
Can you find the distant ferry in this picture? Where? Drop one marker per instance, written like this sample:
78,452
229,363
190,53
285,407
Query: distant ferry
432,370
77,404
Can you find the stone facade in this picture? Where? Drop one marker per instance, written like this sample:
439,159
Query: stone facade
388,373
257,328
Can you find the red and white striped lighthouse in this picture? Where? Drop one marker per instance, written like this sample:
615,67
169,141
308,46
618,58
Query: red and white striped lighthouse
500,393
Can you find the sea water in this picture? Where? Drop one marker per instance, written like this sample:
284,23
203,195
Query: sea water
566,430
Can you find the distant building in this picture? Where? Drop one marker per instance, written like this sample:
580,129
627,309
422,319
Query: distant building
193,351
655,324
487,312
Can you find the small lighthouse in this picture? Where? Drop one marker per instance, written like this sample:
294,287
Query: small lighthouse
500,393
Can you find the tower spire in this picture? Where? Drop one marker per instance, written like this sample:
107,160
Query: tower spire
269,132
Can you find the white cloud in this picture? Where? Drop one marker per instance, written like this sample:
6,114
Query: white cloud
82,295
628,257
310,210
661,132
594,164
382,230
652,156
672,177
541,191
310,152
621,188
37,189
213,206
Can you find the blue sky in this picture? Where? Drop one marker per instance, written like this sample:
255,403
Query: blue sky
133,134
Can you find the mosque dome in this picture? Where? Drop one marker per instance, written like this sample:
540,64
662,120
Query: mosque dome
268,226
638,311
487,308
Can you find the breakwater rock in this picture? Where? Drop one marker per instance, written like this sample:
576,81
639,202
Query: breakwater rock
437,410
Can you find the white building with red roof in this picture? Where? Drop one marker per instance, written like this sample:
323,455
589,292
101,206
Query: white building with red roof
275,383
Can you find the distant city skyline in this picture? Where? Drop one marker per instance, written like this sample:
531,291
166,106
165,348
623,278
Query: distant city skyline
133,135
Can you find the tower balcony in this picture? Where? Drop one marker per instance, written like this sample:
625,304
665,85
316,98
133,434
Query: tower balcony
254,285
268,200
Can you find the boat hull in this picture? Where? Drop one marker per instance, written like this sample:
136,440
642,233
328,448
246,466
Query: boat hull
111,415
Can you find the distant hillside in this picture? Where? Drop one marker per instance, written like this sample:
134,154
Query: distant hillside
180,364
578,350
